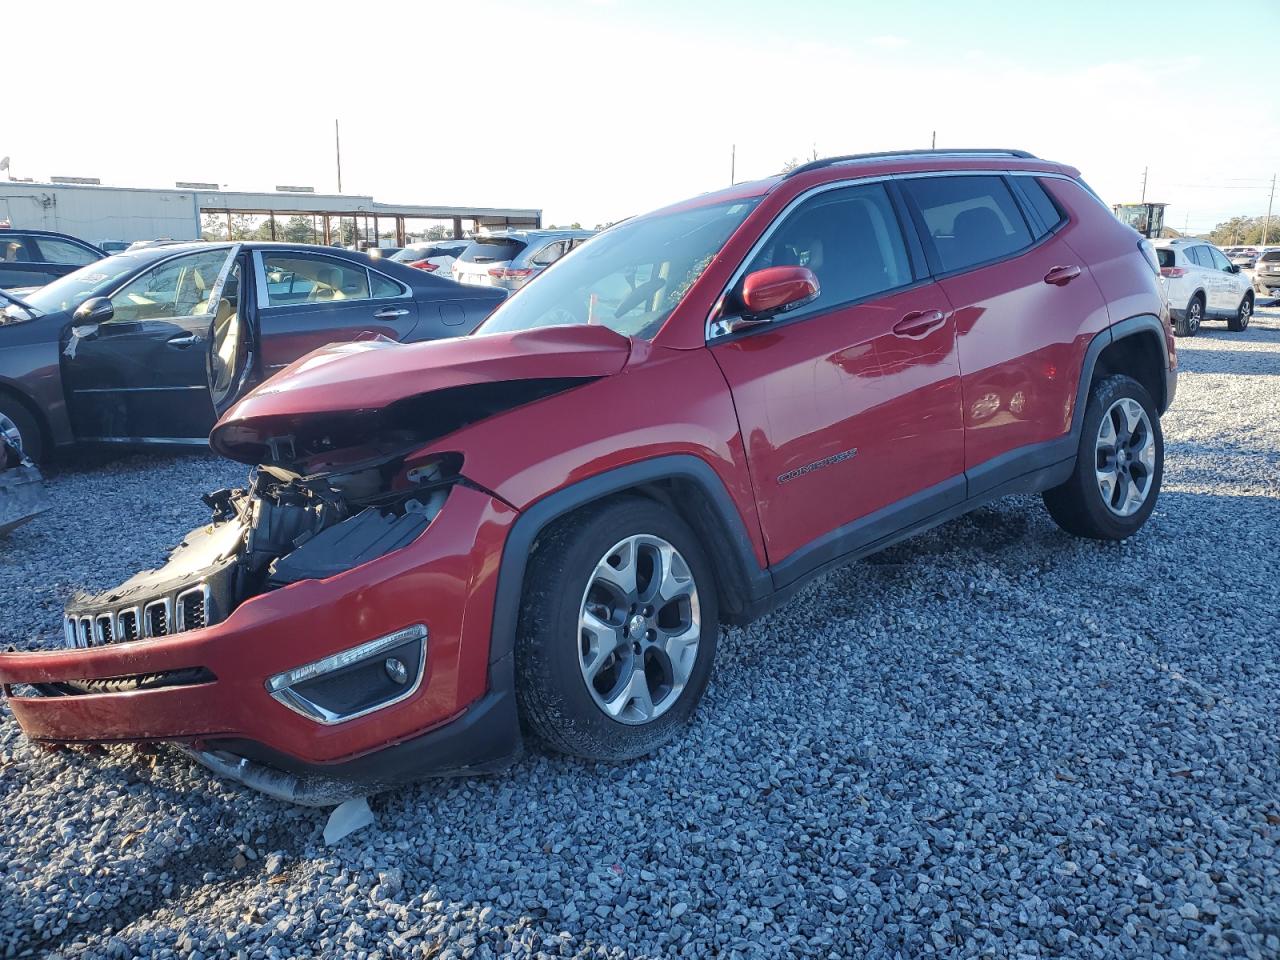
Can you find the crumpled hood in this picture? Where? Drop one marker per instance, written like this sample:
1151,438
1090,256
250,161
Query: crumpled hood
359,379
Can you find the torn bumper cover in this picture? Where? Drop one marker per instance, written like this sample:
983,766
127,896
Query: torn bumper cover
309,690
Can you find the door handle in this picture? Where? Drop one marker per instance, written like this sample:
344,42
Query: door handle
387,313
184,340
919,323
1061,276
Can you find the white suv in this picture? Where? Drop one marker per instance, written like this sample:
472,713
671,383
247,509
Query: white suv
1201,283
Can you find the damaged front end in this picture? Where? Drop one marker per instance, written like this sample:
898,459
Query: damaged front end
281,529
328,632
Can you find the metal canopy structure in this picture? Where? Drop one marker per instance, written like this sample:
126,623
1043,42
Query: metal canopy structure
138,213
325,209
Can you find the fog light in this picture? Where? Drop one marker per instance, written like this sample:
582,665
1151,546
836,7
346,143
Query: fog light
358,681
396,670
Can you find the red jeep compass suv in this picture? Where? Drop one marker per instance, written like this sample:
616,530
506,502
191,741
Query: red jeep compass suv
542,526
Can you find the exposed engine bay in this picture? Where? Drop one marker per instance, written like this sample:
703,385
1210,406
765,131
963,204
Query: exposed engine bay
282,528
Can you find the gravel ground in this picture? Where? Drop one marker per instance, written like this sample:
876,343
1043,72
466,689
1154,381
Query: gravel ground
991,740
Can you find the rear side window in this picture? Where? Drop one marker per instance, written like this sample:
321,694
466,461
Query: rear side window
15,249
293,279
60,251
1165,255
493,250
1199,256
971,220
1042,206
849,238
1271,256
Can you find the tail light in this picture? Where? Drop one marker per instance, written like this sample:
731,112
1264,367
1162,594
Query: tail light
1173,271
1148,250
426,265
508,273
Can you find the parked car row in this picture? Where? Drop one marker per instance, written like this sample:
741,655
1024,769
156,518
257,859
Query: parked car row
149,346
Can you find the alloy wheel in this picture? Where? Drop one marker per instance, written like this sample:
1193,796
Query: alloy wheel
1246,312
9,430
1194,312
1126,457
639,628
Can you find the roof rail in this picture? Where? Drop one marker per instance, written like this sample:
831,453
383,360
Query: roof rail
854,157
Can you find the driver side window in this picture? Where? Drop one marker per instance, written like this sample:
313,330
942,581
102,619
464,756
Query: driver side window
849,238
175,288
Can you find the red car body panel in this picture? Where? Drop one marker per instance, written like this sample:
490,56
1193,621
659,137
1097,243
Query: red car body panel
843,385
375,374
775,416
445,579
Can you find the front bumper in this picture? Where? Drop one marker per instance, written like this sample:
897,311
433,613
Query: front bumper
445,579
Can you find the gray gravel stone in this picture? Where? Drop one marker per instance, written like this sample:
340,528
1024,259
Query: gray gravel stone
990,740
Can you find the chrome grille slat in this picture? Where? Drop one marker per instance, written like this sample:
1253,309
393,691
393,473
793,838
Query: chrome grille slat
86,632
164,616
129,623
157,617
104,628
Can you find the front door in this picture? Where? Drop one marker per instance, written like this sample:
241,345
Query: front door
850,406
307,300
142,375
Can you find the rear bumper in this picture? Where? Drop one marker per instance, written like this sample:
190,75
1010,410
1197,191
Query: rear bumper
446,579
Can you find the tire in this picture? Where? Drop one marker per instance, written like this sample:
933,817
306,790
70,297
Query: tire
1189,325
1240,322
20,428
567,591
1082,505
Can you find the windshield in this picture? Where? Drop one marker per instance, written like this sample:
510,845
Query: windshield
628,278
67,293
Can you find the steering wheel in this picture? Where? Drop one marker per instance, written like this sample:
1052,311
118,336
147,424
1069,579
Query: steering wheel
638,295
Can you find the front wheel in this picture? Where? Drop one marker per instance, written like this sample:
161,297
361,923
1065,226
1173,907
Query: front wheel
1240,322
19,429
617,632
1119,464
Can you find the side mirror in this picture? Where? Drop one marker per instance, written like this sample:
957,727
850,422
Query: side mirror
769,292
94,310
1234,268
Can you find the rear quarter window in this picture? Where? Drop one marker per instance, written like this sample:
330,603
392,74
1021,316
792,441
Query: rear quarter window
1042,205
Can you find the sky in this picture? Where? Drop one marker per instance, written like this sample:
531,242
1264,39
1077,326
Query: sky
594,110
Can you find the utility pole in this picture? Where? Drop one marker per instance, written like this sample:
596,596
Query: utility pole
1144,185
933,141
733,164
337,146
1266,224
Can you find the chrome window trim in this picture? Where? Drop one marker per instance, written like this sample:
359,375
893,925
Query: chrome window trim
264,296
709,336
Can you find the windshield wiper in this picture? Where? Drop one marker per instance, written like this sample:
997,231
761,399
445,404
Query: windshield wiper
22,303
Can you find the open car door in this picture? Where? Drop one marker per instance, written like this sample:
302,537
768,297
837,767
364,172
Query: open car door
137,372
230,356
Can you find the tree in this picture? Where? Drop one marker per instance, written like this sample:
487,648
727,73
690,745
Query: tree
298,229
1246,231
791,164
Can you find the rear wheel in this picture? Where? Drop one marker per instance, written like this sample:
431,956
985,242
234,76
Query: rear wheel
1119,464
1240,321
617,633
1189,325
20,429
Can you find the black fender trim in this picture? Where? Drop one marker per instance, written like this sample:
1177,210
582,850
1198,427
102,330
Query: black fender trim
1144,324
524,532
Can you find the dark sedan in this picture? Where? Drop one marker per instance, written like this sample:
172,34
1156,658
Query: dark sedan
30,258
151,345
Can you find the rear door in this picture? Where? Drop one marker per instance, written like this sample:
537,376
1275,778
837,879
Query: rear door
141,376
307,300
1025,310
1230,289
850,404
